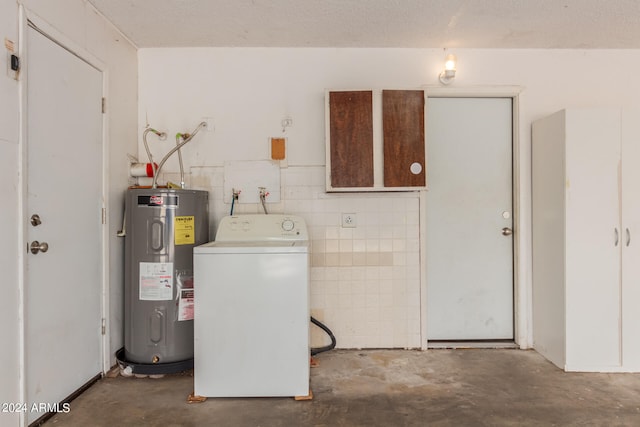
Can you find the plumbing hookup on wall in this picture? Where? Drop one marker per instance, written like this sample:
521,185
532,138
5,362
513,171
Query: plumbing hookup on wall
162,225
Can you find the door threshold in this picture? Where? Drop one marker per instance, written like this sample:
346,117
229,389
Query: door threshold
497,344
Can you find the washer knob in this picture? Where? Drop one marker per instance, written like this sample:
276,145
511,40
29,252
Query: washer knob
288,225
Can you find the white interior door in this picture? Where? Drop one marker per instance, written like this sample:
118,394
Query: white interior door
469,203
64,174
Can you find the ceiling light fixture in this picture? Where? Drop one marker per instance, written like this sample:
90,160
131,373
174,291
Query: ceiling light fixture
449,72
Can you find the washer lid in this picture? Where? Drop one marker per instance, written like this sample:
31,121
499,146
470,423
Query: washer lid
256,247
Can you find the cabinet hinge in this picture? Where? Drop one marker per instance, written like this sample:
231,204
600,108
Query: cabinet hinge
104,105
104,326
104,215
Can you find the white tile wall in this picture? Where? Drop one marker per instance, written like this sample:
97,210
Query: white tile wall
365,281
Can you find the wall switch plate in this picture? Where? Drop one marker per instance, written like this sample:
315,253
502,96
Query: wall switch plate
349,220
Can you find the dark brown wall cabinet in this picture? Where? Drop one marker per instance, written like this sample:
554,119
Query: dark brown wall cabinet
403,138
351,128
375,140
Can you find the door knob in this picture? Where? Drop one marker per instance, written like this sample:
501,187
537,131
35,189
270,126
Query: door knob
35,220
507,231
36,247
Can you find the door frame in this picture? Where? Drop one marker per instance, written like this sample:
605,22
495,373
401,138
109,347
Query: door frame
28,19
521,276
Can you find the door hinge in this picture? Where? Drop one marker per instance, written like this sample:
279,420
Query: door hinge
104,215
104,326
104,105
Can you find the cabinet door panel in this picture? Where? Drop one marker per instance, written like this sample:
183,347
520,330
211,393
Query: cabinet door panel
631,240
593,239
403,130
351,133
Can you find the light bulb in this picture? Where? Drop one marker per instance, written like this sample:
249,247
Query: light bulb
450,62
449,72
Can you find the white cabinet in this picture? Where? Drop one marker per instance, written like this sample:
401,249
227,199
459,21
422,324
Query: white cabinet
586,239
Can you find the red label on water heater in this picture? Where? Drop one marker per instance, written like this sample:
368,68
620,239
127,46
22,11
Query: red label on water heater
158,201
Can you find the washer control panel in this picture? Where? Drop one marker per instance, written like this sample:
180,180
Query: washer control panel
261,228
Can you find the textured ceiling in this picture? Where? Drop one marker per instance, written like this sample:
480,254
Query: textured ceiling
572,24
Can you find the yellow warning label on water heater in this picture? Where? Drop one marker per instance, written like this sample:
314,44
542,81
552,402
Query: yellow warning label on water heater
184,230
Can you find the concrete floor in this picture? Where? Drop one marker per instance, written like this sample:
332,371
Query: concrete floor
475,387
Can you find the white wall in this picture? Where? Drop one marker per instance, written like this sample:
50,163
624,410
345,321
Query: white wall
77,22
9,148
366,281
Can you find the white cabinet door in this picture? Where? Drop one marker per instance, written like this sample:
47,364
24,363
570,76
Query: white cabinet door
593,239
630,240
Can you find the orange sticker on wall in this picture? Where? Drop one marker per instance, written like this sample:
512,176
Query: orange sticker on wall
277,148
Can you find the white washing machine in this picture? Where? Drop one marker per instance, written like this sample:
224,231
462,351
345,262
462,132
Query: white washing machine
251,320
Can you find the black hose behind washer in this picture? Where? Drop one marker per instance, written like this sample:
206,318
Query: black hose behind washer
331,346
